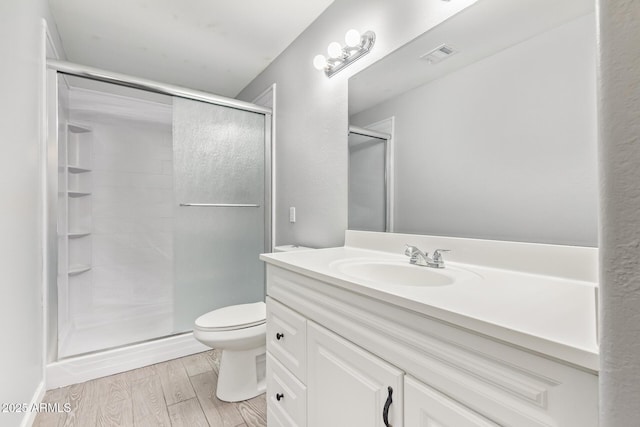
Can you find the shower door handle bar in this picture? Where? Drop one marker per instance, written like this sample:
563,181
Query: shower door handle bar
219,205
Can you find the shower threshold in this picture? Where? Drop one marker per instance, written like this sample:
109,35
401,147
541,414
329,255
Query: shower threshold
85,367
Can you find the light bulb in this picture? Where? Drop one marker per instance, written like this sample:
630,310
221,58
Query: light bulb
320,62
335,50
352,38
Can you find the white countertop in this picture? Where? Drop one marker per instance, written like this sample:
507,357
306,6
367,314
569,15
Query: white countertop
550,315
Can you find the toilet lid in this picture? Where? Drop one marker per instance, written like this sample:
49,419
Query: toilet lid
233,317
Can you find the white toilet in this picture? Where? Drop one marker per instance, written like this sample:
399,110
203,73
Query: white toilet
240,332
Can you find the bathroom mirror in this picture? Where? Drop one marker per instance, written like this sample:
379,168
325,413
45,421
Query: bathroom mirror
494,123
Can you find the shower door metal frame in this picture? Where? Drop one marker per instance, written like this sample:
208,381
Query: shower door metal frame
71,69
77,70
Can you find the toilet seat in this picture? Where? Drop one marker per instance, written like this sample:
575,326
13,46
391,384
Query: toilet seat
233,317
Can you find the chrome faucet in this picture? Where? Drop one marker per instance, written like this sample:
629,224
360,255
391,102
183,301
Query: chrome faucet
417,257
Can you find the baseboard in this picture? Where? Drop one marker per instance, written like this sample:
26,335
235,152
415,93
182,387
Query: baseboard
101,364
30,416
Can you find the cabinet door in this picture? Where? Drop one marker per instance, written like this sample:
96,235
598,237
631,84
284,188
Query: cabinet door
348,386
425,407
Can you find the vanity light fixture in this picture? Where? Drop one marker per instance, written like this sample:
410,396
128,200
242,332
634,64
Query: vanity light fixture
357,45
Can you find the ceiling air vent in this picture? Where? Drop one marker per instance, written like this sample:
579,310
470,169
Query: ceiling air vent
438,54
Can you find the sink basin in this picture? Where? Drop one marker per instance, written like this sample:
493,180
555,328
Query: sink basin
395,273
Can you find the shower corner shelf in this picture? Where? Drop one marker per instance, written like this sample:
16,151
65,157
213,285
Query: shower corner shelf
77,234
77,169
76,128
78,193
78,269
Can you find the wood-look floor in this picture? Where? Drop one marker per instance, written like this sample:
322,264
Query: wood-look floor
177,393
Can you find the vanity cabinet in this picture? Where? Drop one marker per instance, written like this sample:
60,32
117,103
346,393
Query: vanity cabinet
333,354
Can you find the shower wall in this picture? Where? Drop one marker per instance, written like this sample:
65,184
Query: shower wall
132,214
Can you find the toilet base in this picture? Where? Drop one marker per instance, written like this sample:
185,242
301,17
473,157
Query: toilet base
239,378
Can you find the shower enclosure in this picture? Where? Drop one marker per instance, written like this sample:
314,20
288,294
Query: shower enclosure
163,207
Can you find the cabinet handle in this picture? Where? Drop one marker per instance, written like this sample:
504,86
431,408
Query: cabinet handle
279,335
279,396
385,411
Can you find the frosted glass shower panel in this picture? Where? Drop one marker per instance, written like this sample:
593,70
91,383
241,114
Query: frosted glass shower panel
116,216
219,159
367,183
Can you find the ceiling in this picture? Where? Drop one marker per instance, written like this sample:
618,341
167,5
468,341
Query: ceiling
481,30
218,46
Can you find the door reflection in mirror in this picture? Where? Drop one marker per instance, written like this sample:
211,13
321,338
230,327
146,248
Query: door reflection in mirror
369,180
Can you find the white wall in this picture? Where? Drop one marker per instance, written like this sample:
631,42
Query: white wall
21,318
312,111
619,124
504,148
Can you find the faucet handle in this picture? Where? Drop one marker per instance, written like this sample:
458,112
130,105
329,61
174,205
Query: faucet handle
414,253
411,250
437,254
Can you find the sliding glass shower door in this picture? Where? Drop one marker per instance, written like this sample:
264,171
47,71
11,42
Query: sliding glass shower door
219,175
163,206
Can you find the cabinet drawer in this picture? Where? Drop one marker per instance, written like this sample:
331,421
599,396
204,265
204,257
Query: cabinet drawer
273,420
287,338
286,396
424,407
